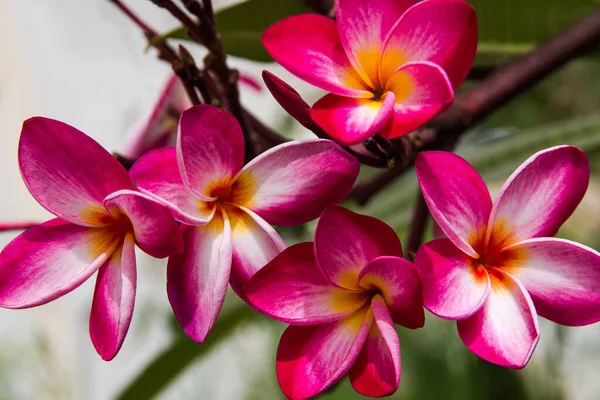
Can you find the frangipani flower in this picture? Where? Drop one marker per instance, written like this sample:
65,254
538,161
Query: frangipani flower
389,65
342,296
499,269
100,218
225,210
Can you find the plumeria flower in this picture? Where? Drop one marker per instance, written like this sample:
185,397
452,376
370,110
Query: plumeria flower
226,208
342,296
389,65
100,217
499,268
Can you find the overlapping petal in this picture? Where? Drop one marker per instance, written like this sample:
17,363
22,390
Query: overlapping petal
398,282
210,150
157,173
349,120
114,299
562,277
454,286
457,198
292,183
310,359
505,330
51,259
346,242
60,166
197,278
309,46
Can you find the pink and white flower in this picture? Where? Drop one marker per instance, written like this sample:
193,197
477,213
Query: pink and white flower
100,217
342,296
389,65
500,268
226,208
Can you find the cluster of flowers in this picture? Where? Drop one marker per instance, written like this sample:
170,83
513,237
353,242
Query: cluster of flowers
497,269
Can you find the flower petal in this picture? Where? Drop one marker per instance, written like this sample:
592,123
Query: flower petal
197,278
254,242
51,259
562,277
422,91
398,282
67,172
310,359
292,289
505,330
114,298
157,174
364,26
210,150
376,371
346,242
350,121
289,99
539,196
454,285
441,31
292,183
155,230
308,45
457,198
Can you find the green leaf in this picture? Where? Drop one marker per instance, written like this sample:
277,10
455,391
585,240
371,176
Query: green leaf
176,34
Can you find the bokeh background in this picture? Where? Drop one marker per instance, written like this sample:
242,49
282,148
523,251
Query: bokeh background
84,63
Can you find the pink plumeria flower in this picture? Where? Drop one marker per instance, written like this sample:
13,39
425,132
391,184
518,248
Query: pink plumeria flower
389,65
226,208
499,268
100,218
342,296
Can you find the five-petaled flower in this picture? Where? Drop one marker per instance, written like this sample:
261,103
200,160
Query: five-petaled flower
342,296
499,268
389,65
225,210
100,218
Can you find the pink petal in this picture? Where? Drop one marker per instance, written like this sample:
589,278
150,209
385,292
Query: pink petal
398,282
197,278
364,26
250,82
155,230
505,330
114,298
457,198
289,99
422,91
254,242
562,277
210,150
308,45
310,359
51,259
292,183
350,121
441,31
539,196
157,174
291,289
454,285
346,242
67,172
376,371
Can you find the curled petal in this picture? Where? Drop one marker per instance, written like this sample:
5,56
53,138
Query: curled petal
51,259
68,172
114,298
292,183
346,242
310,359
505,330
291,289
289,99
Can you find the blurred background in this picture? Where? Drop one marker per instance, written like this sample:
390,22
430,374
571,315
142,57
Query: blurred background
84,63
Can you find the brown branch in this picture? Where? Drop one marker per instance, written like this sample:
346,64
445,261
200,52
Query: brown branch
194,29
